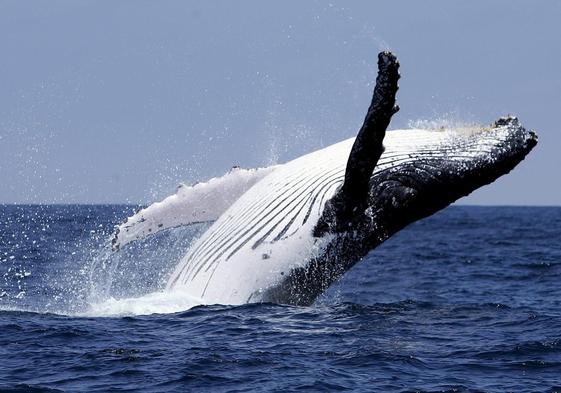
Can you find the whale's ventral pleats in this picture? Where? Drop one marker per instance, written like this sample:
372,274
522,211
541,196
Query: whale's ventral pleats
285,233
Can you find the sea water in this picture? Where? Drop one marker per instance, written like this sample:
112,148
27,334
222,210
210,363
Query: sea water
466,300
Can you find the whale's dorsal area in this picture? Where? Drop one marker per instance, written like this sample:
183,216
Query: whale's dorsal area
201,202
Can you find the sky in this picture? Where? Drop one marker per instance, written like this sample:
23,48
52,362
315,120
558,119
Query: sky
119,102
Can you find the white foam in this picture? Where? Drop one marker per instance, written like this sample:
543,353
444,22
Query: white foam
152,303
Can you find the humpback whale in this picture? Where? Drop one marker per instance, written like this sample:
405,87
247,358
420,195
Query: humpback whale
284,234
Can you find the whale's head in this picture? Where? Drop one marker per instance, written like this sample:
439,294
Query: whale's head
445,166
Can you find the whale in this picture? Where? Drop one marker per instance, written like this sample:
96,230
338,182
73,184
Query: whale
285,233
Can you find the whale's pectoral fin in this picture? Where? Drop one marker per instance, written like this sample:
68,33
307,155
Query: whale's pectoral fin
350,201
201,202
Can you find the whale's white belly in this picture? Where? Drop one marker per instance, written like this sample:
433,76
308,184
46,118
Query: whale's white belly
265,233
268,231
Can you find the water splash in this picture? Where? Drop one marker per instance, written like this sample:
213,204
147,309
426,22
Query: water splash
132,281
57,259
162,302
450,122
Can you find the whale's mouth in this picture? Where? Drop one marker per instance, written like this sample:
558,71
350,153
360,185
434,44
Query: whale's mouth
456,167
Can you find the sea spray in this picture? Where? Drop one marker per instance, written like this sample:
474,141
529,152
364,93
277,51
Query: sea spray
64,251
133,279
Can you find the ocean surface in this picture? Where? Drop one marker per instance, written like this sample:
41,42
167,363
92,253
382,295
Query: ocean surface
467,300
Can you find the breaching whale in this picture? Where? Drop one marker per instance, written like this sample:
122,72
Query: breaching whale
285,233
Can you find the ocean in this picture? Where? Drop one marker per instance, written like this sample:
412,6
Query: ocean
468,300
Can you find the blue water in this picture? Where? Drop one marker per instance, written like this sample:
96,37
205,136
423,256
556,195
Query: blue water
467,300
